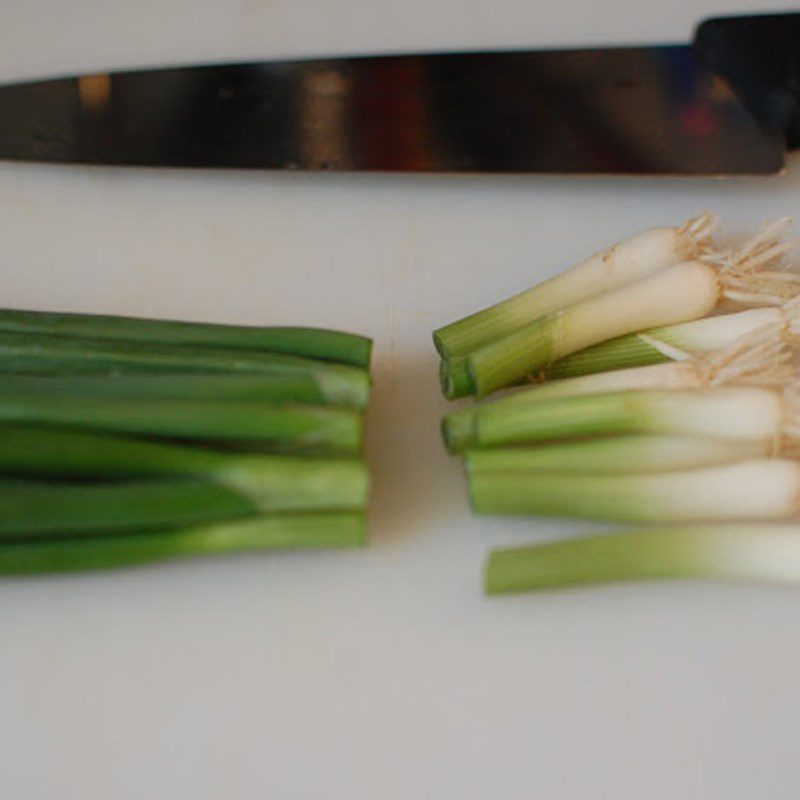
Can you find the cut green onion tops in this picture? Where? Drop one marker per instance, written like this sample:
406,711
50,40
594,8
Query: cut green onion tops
686,291
621,264
37,509
738,552
170,386
56,509
281,427
316,343
67,356
124,441
269,481
113,550
747,490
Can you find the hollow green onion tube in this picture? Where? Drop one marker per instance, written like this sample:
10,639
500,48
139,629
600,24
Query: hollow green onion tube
623,454
51,355
269,481
642,349
454,378
279,532
743,552
316,343
304,389
747,490
284,428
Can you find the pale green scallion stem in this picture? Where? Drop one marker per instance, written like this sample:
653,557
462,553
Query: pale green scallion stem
677,294
618,454
748,490
754,552
616,266
747,413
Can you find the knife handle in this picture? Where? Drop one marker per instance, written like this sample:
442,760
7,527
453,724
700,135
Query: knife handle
760,57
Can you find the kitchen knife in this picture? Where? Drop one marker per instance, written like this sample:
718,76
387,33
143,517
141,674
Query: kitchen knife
725,104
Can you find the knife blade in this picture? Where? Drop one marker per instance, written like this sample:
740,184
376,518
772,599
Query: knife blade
725,104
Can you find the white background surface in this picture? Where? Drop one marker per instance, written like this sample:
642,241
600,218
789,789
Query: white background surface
383,673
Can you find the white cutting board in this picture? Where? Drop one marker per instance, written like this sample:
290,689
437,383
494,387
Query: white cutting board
382,674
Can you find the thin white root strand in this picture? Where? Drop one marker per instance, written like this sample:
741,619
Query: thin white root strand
755,273
695,235
759,358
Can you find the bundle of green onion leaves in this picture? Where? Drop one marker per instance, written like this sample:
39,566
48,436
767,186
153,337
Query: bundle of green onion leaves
125,441
654,384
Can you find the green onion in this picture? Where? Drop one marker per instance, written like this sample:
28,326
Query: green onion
271,482
291,531
284,428
686,291
272,389
747,490
316,343
749,414
616,454
46,509
755,552
454,377
618,265
759,358
52,355
653,346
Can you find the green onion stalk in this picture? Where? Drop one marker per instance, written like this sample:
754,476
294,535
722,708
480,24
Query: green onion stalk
113,550
741,414
40,354
756,489
617,454
302,389
754,552
285,428
314,343
266,482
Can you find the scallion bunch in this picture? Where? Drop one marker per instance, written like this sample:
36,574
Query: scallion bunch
125,441
648,406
